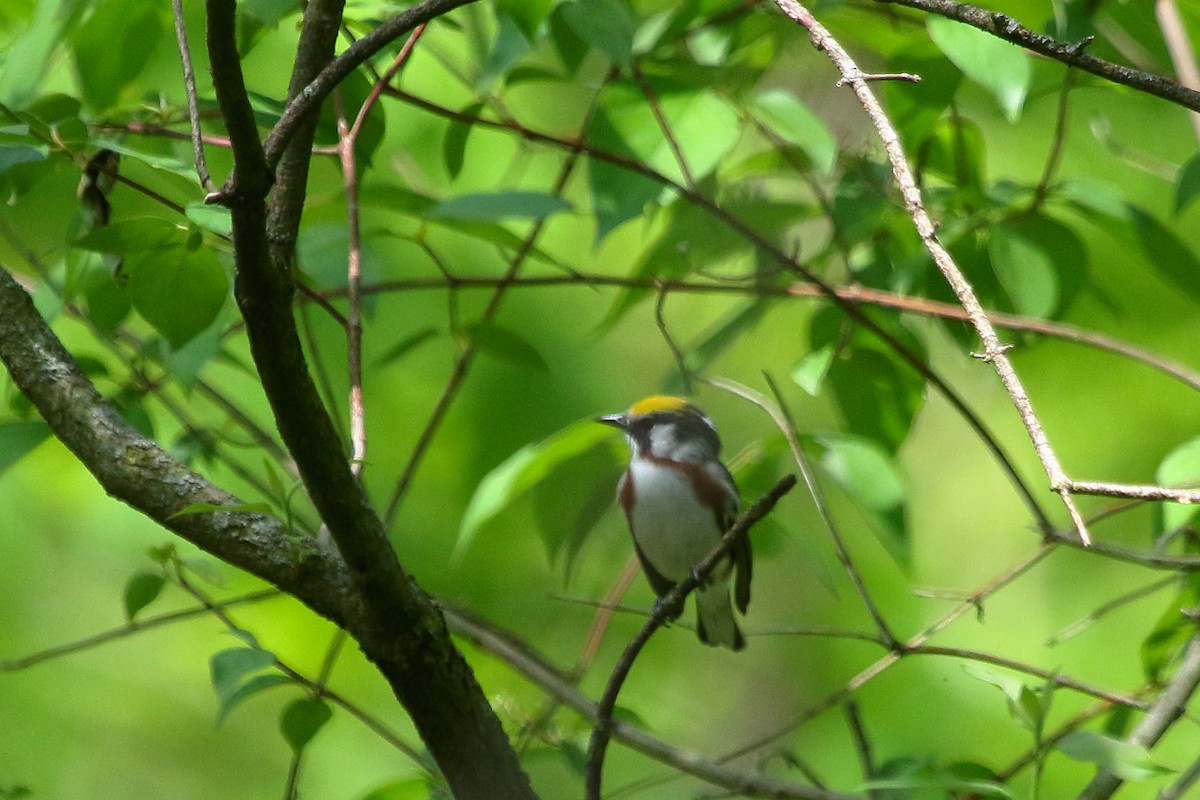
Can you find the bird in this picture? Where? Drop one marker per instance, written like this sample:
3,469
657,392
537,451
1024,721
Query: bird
679,500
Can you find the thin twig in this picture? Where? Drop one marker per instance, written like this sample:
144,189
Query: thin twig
855,294
685,374
602,730
132,628
189,85
1098,613
995,352
354,330
862,744
374,724
665,127
783,421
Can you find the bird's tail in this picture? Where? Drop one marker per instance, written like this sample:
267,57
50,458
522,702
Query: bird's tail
714,618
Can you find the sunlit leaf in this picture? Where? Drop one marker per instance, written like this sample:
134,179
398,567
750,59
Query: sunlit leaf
409,789
1001,68
216,219
1181,467
790,119
523,470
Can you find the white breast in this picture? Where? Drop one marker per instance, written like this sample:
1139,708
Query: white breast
672,528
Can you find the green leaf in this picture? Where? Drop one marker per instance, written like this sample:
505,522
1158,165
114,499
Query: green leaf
810,373
1127,761
133,236
877,395
302,719
523,470
454,144
141,590
526,14
19,438
1027,706
790,119
12,154
178,291
409,789
504,345
1001,68
500,205
1180,467
1025,272
1096,197
1167,253
866,472
508,46
256,685
229,667
1187,185
216,219
27,58
105,60
1171,632
212,508
605,25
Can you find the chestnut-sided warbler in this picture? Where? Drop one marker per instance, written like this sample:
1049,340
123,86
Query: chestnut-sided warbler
679,499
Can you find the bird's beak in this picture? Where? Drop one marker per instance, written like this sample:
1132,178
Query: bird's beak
616,420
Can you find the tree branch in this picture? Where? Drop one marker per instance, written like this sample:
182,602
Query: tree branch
138,472
1011,30
400,628
994,350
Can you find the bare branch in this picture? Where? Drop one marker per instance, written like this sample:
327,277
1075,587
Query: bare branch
994,350
1009,29
189,86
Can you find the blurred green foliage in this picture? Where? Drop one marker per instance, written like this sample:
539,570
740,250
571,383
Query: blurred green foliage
539,176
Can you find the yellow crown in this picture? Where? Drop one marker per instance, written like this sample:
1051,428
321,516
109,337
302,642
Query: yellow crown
658,402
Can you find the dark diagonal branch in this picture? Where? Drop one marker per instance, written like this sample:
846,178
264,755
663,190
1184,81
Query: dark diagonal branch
604,711
1010,30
